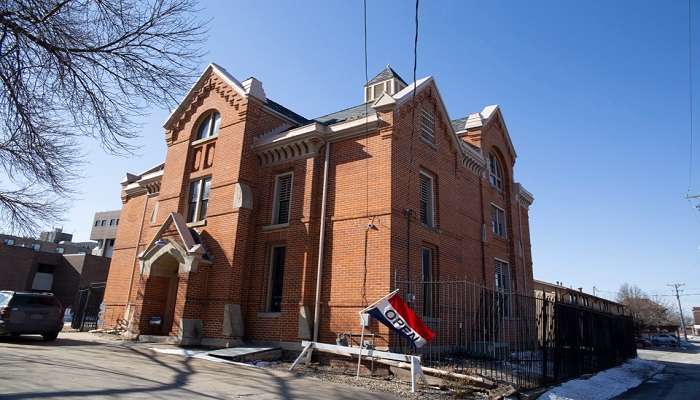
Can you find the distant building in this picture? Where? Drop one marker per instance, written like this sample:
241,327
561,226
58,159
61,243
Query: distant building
33,265
696,318
563,294
47,246
104,231
56,236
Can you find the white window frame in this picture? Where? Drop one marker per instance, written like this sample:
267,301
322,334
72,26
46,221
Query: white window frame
427,131
505,292
209,120
495,168
431,205
268,295
494,224
428,285
198,204
276,200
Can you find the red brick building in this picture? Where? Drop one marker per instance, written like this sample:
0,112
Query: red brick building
221,241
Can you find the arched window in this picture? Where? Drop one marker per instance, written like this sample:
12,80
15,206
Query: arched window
495,172
209,126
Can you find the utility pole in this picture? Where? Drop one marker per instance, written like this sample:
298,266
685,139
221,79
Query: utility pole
680,309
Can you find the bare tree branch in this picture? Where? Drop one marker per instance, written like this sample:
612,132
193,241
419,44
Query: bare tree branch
71,69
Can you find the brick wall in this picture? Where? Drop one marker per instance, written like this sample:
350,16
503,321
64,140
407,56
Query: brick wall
373,178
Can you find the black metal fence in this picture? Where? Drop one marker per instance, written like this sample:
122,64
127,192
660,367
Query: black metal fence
86,307
522,339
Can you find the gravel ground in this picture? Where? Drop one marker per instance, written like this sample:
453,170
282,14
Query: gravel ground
388,384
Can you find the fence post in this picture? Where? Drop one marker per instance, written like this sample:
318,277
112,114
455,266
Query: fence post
545,340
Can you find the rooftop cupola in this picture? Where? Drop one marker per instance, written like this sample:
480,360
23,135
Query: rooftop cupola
386,81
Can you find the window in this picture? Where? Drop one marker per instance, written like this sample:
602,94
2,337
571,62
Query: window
503,287
36,247
10,242
117,221
427,200
283,197
498,221
97,222
495,172
154,213
199,199
103,222
428,279
209,126
43,278
378,90
59,250
274,293
427,125
111,222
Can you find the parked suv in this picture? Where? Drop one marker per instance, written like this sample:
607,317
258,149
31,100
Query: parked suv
30,313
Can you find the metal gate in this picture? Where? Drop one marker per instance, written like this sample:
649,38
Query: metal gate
86,307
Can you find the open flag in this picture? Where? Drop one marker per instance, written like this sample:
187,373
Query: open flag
393,312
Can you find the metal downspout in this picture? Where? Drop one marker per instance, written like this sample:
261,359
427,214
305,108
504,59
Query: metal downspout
321,243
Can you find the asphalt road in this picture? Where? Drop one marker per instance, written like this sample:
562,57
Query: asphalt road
680,379
82,366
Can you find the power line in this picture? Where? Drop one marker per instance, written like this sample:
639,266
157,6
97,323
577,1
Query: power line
690,91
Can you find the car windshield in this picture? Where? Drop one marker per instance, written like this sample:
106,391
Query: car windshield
4,298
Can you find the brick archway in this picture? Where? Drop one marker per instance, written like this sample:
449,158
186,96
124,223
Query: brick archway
160,293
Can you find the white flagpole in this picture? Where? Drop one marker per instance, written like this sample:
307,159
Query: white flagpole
362,340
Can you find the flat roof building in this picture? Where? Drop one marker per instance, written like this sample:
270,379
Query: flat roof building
104,231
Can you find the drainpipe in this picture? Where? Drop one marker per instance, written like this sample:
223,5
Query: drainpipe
521,248
483,232
136,257
321,243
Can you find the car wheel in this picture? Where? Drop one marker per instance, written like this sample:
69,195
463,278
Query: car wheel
50,336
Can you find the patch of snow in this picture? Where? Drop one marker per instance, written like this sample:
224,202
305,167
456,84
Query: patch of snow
605,384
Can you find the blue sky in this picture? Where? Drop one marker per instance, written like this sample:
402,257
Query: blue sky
595,95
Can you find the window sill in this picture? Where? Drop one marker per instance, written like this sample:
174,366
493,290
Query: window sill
269,314
275,227
197,223
432,228
203,140
503,239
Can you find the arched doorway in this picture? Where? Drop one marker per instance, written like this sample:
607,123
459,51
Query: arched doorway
160,295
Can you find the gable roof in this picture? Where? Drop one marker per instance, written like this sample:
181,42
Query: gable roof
189,237
481,119
241,89
386,73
